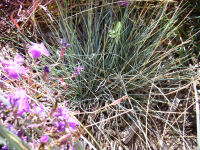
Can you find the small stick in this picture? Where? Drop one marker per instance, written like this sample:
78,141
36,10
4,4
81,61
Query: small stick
197,114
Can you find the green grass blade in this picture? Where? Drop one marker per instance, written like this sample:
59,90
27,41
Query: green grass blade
14,141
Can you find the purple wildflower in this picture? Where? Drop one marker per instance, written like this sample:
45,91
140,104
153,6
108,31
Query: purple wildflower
67,45
64,119
13,67
18,100
60,125
38,110
59,112
4,147
123,3
78,69
36,50
46,69
23,104
44,139
63,43
72,122
45,74
24,138
20,133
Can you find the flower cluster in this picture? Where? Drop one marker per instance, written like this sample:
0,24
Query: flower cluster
20,113
18,101
44,139
64,120
36,50
77,70
13,67
38,110
63,43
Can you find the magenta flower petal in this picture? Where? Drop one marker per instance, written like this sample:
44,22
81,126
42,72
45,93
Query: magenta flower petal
11,72
13,68
72,122
25,138
44,139
6,62
60,126
37,49
34,53
44,50
22,101
39,109
20,69
19,101
18,59
23,106
72,125
4,147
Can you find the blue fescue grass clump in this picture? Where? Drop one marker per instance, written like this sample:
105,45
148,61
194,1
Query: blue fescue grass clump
125,51
122,49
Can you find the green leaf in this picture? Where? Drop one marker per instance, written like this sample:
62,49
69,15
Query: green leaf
13,141
115,32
